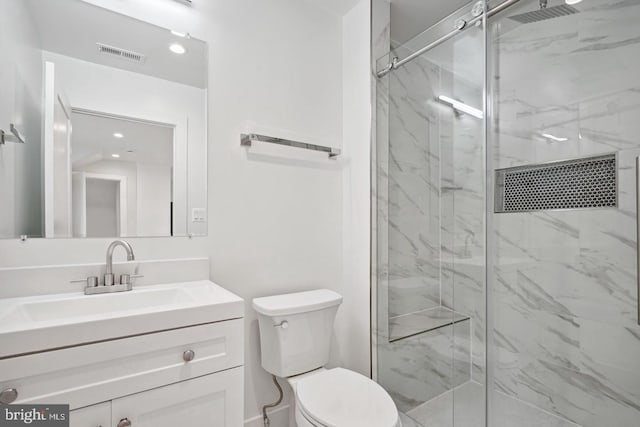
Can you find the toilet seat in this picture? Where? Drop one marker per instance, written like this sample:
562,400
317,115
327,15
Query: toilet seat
343,398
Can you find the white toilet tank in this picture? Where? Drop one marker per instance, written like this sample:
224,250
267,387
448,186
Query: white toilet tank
296,330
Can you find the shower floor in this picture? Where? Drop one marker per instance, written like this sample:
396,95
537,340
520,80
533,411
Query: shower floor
469,411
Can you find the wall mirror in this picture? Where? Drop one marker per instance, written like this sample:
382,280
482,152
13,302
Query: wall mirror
102,124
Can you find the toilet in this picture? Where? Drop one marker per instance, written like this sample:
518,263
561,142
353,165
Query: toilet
295,338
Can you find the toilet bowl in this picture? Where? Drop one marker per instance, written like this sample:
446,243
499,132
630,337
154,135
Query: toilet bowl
295,337
341,398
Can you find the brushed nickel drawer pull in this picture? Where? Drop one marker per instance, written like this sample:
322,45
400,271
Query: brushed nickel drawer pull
188,355
8,396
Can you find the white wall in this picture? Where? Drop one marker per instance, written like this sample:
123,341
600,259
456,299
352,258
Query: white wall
20,99
356,133
273,226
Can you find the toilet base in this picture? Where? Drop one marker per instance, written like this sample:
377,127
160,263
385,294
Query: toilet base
297,418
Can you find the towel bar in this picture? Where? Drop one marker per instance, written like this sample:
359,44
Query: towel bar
248,139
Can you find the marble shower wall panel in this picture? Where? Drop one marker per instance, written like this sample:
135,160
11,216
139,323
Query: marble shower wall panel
422,367
566,332
413,190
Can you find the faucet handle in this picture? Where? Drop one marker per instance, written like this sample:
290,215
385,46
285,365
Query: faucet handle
125,279
91,281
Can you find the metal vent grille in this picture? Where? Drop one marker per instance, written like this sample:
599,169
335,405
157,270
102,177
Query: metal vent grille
121,53
573,184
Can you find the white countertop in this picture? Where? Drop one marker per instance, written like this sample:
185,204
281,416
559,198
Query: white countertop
46,322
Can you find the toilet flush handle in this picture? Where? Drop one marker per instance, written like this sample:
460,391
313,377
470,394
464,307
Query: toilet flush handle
284,325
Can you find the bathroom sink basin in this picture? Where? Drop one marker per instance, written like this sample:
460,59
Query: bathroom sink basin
80,306
40,323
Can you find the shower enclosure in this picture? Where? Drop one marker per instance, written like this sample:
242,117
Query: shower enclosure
506,190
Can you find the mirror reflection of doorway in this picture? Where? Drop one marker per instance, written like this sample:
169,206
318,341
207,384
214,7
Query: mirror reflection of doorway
123,172
103,209
99,205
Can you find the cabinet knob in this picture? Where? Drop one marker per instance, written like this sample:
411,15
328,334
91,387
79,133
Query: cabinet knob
8,396
124,423
188,355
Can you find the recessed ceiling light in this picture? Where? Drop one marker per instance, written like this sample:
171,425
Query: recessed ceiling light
177,48
572,1
115,156
118,135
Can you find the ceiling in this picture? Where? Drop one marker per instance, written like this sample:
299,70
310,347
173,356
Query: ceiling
73,27
337,7
411,17
92,141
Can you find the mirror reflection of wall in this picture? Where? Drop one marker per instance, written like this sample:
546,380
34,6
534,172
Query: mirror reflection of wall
78,77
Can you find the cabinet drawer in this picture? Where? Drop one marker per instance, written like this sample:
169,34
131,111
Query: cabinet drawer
83,375
91,416
210,401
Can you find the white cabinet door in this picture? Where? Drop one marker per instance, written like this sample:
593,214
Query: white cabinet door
91,416
210,401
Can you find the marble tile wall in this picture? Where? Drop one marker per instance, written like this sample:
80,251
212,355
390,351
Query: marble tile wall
413,190
419,368
565,328
462,186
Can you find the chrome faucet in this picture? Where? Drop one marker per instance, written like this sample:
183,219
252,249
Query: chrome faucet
93,285
108,275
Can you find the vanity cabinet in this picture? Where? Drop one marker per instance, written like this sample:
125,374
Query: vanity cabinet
92,416
190,376
209,401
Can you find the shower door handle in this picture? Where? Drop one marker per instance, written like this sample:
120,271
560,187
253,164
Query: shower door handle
638,238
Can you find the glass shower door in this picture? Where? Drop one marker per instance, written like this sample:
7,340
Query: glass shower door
430,156
565,340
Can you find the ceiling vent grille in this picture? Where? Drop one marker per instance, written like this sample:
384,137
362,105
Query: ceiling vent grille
129,55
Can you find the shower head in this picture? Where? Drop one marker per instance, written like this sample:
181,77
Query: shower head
544,13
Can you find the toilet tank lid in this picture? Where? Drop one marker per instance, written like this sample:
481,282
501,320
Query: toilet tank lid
298,302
